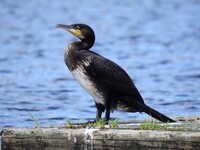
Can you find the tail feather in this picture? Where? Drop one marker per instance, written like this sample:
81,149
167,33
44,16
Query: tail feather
129,104
155,114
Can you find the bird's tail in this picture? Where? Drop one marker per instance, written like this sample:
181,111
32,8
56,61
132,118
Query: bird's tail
155,114
131,105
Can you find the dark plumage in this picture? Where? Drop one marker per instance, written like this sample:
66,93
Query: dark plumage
110,86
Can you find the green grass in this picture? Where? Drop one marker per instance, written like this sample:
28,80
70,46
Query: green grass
151,124
70,124
114,123
98,123
101,123
35,120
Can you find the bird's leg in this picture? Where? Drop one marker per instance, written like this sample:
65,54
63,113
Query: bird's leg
99,113
100,109
107,115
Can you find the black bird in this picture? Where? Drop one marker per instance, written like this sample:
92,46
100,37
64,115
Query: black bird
109,85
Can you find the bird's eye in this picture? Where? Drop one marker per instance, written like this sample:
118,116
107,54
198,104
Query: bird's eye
78,27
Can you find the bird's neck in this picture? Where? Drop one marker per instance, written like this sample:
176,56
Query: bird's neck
81,45
71,53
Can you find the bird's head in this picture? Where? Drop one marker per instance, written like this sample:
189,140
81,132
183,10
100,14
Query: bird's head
81,31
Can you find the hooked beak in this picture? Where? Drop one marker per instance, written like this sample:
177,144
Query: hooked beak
65,27
71,29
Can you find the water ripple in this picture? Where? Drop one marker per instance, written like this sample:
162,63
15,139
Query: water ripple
159,48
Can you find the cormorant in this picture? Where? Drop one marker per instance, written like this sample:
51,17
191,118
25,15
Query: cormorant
109,85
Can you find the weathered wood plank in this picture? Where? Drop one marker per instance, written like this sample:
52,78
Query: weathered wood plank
65,138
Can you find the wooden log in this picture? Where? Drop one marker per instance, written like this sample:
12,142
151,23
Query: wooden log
80,138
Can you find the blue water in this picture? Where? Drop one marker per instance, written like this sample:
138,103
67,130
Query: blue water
156,41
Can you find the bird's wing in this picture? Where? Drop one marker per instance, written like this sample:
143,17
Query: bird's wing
109,73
